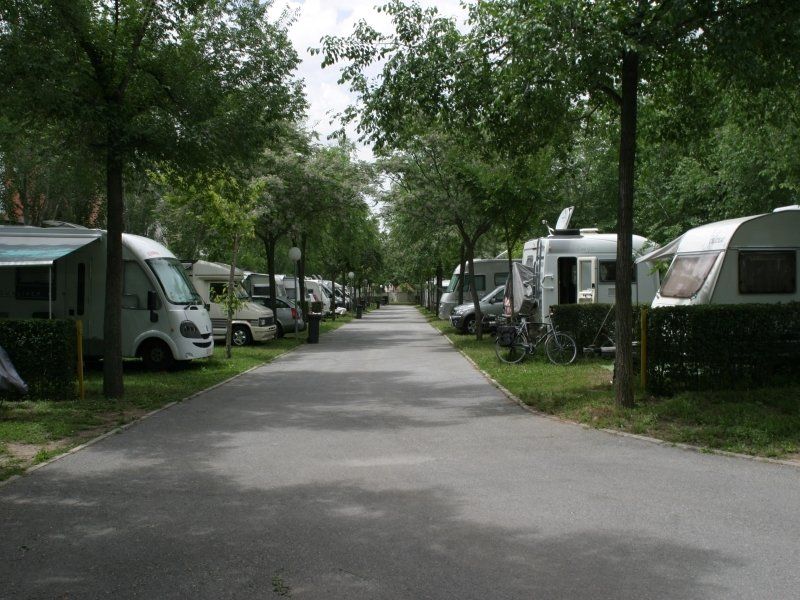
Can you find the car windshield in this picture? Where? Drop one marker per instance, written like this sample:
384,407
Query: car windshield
174,281
499,291
687,274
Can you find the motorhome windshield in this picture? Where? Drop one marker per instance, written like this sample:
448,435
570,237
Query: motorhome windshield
174,281
480,281
687,274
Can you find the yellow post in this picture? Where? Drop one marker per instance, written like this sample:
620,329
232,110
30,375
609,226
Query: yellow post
79,330
643,349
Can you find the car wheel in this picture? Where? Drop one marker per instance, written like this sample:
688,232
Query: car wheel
156,355
469,325
240,336
279,331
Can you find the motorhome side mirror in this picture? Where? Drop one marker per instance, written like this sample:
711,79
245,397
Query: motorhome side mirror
207,306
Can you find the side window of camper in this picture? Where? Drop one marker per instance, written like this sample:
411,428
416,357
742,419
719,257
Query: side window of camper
768,272
135,286
608,271
32,283
529,261
500,279
480,283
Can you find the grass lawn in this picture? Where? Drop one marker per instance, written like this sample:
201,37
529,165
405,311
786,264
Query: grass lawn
764,422
33,431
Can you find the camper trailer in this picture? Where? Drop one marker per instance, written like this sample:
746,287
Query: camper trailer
60,272
745,260
251,322
489,273
577,266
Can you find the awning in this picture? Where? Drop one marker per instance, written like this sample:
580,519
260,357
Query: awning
667,250
20,250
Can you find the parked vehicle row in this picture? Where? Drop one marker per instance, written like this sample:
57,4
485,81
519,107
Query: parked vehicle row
171,311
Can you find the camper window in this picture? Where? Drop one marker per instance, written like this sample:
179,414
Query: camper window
173,279
768,272
32,283
500,278
608,271
219,288
135,286
687,274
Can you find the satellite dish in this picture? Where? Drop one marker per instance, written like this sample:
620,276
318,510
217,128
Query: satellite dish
564,218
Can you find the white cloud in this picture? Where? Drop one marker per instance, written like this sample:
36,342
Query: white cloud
318,18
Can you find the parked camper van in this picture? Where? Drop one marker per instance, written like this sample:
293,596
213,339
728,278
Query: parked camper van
60,272
251,323
576,266
257,284
313,287
489,273
750,259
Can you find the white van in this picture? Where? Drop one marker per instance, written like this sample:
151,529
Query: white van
744,260
314,292
489,273
251,322
577,266
60,272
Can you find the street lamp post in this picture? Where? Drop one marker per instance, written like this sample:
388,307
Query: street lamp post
350,276
294,256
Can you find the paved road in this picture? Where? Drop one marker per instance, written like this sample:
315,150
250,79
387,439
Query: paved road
380,465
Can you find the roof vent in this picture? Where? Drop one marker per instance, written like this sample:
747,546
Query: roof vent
586,230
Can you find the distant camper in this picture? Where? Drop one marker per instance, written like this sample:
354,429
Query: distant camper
579,266
251,323
60,272
745,260
489,273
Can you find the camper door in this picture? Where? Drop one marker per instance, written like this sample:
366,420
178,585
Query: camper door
587,279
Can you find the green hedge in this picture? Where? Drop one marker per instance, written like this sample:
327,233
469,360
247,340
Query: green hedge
44,354
583,321
722,346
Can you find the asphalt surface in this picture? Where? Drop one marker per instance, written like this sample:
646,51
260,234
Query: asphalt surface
380,465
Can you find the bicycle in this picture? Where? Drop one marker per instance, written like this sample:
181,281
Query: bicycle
514,343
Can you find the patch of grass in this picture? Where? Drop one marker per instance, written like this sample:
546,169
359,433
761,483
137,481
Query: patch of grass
764,422
55,426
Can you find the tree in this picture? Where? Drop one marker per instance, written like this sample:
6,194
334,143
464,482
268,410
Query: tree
185,81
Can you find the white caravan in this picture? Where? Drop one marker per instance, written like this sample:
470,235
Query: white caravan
750,259
251,322
60,272
577,266
489,273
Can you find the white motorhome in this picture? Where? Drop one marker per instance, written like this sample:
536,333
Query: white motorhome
257,284
251,322
744,260
576,266
315,291
60,272
489,273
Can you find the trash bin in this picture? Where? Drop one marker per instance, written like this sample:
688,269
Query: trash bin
359,310
386,299
313,327
378,303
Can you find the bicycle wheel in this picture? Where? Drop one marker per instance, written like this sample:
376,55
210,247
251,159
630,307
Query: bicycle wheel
513,353
561,348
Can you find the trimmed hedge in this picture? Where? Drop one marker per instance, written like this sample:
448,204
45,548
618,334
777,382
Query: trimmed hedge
44,354
583,321
719,346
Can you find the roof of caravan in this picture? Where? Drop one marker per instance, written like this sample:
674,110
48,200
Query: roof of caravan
23,246
204,268
710,237
565,241
144,247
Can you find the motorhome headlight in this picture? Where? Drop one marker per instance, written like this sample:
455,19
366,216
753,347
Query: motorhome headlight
263,321
190,330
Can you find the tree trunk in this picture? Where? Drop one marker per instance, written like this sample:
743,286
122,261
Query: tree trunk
112,320
231,277
269,249
473,290
438,291
301,274
623,378
462,259
333,294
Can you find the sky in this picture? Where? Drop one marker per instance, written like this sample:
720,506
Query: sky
318,18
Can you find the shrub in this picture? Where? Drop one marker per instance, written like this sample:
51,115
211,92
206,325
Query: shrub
722,346
44,354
